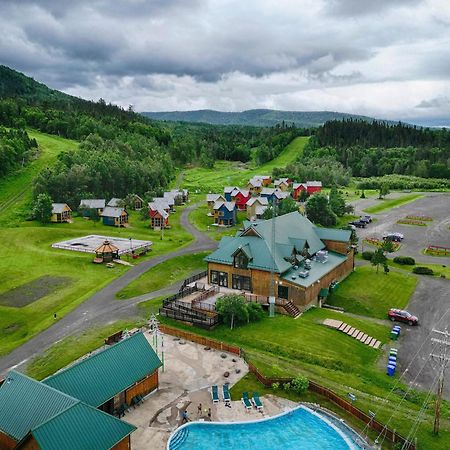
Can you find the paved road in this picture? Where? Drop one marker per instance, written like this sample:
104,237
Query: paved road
103,308
436,205
430,302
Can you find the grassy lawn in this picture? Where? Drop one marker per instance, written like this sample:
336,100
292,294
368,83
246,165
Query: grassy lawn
164,274
229,173
286,347
15,190
199,218
368,293
387,203
344,220
438,269
27,254
72,348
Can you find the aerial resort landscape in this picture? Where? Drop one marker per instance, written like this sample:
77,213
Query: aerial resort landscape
224,225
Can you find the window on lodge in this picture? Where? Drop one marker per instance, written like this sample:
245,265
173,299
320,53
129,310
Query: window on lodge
240,282
240,261
283,292
220,278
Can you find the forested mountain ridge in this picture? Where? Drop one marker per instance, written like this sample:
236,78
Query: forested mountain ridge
255,117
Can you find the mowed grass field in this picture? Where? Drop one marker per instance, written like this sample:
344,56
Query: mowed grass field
27,254
228,173
369,293
164,274
388,203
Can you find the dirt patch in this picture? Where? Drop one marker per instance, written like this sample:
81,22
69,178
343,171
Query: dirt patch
34,290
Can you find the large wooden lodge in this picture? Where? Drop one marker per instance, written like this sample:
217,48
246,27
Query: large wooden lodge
303,260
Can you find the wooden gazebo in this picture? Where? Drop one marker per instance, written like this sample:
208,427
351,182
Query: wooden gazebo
106,252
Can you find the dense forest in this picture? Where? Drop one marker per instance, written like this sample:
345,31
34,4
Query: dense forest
16,149
121,151
378,148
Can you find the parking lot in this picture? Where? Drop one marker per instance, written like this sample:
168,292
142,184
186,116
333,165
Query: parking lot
430,302
435,205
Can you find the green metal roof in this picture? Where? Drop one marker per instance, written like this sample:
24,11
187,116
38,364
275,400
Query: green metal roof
81,427
56,420
26,403
334,234
100,377
292,231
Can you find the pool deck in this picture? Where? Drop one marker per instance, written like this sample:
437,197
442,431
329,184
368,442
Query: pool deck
189,373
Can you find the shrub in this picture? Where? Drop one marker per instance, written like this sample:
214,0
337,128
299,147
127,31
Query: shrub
287,386
255,312
367,255
423,270
300,384
405,260
275,386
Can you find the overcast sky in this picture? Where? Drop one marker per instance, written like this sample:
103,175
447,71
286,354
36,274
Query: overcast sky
383,58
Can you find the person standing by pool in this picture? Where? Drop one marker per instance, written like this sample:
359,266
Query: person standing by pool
209,414
185,416
199,409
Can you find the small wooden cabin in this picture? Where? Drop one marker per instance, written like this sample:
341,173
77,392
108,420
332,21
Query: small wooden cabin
89,205
241,197
138,202
225,214
159,218
211,199
61,212
282,184
116,217
256,207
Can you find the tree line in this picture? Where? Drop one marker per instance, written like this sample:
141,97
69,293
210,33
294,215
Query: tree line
378,148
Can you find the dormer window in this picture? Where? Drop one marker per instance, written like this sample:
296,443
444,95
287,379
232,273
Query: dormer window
240,260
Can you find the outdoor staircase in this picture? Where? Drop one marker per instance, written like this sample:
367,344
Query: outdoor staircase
353,332
184,312
292,310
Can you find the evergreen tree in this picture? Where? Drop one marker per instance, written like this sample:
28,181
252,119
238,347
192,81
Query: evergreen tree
336,202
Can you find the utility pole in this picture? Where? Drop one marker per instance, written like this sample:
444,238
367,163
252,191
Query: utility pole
441,361
272,275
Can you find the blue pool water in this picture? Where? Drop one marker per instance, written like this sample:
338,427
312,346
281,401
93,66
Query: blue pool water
297,429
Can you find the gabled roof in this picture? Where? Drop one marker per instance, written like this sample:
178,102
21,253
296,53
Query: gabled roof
231,206
114,202
263,201
262,177
292,232
279,194
58,208
96,203
295,186
98,378
214,197
81,427
280,181
109,211
26,404
259,210
314,183
229,189
256,182
160,208
267,191
56,420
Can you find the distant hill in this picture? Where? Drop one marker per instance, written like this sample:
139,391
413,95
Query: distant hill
254,117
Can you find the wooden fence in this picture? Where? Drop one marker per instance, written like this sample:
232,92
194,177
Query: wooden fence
371,423
193,278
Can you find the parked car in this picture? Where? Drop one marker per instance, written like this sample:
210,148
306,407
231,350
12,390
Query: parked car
369,218
365,220
400,315
396,237
358,224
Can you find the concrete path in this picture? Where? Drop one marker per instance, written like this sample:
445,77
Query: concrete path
103,308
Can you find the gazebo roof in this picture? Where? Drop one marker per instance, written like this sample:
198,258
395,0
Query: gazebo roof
106,247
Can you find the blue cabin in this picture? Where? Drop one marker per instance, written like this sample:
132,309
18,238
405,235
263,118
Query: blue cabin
228,190
115,217
225,213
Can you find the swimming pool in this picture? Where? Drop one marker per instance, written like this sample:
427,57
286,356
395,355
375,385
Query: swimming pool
300,428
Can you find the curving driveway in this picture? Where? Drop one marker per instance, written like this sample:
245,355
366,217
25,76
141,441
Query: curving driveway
103,307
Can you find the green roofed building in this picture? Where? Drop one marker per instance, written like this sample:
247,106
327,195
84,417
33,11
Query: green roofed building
302,258
111,377
68,411
36,416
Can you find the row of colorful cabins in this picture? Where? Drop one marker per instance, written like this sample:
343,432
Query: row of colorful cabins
224,207
113,214
256,185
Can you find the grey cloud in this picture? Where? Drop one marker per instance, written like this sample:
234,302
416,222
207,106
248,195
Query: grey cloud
365,7
436,102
